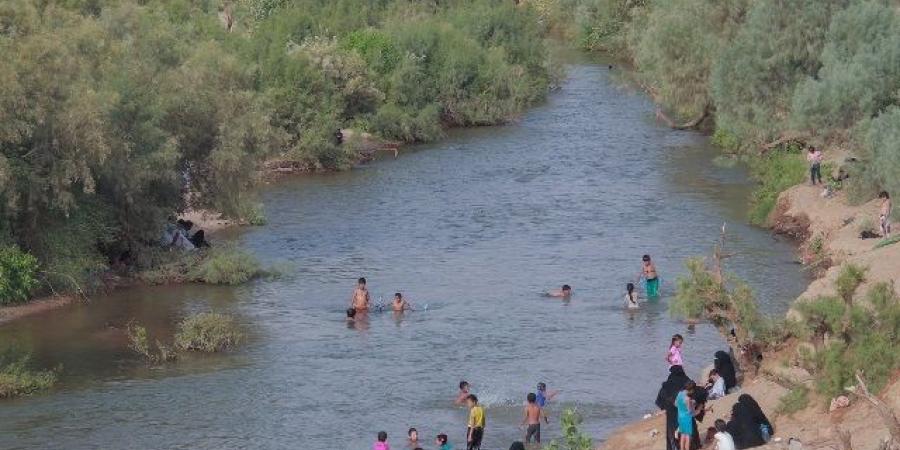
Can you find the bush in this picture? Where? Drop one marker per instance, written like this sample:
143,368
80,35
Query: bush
139,342
572,437
208,332
226,265
797,399
17,378
675,46
18,275
775,172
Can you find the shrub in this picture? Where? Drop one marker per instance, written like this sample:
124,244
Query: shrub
226,265
797,399
17,378
867,225
139,342
572,437
778,46
775,172
18,275
208,332
676,45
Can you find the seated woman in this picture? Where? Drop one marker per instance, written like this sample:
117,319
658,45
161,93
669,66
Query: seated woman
749,426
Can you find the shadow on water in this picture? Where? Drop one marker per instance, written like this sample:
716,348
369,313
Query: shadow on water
575,191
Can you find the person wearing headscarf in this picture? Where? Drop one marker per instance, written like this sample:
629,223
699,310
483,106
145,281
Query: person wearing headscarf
665,401
725,368
747,422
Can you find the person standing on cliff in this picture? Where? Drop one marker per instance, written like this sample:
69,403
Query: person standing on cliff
814,157
648,272
885,214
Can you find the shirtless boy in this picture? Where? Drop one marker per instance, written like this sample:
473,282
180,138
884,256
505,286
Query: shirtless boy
532,420
360,299
463,393
564,292
885,214
400,304
648,271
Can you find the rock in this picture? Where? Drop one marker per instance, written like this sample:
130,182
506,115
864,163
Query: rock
654,432
647,416
839,402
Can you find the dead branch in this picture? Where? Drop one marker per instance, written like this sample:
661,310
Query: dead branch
660,115
883,410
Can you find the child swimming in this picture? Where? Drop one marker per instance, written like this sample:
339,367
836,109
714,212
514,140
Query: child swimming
400,304
564,292
631,299
463,393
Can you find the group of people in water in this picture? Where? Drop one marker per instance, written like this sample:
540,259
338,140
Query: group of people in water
683,400
685,404
532,416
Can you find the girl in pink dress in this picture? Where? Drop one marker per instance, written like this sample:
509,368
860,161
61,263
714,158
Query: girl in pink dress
674,357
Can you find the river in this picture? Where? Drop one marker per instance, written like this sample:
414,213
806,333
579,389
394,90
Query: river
475,226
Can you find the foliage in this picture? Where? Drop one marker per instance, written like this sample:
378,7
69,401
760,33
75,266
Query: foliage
572,437
889,241
777,47
139,342
208,332
18,275
675,47
605,23
859,76
879,143
869,332
775,172
116,114
797,399
18,379
226,265
700,295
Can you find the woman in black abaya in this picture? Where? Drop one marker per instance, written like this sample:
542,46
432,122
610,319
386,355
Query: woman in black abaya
725,368
665,400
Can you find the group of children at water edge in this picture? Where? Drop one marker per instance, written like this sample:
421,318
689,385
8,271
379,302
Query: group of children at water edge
814,157
475,426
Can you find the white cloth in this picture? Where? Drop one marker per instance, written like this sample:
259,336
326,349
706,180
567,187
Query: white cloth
631,303
724,441
718,389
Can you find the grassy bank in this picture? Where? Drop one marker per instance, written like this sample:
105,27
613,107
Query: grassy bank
131,104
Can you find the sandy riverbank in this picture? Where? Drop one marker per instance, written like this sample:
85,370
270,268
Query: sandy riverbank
803,212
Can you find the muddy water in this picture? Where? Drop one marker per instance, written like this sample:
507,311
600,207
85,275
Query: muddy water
475,227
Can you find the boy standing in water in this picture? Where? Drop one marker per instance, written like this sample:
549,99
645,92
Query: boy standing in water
463,394
475,431
400,304
648,271
360,298
885,214
532,420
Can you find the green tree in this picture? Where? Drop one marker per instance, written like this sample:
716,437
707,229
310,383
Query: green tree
676,45
860,73
778,46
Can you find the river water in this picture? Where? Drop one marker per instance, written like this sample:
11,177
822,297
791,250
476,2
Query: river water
475,227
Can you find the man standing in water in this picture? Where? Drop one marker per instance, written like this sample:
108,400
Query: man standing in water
360,298
648,272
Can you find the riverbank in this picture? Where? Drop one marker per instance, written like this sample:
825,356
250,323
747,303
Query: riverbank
827,230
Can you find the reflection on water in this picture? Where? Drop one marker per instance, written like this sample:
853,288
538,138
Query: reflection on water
475,227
